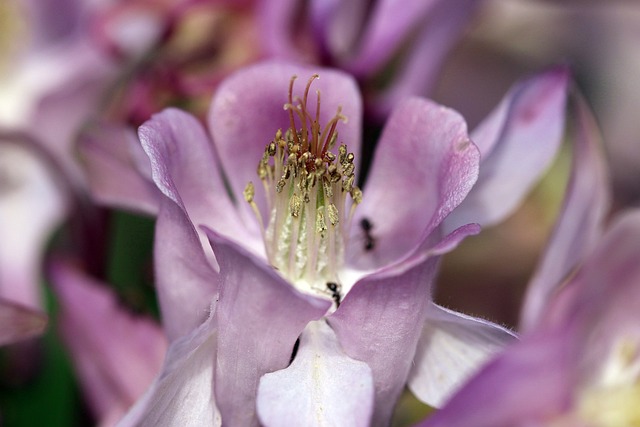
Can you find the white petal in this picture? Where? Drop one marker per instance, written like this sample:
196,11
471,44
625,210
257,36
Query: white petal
452,347
322,387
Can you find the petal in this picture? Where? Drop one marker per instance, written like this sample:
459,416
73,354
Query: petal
116,354
439,165
420,70
379,322
528,383
247,110
32,204
605,293
277,20
19,323
581,219
110,153
390,23
451,349
182,395
322,386
186,282
337,25
518,141
184,169
260,316
69,102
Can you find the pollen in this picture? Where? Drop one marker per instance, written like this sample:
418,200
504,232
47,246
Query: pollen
310,194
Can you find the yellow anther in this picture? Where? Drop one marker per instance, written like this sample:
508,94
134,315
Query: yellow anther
249,192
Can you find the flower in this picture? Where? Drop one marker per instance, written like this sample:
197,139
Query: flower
233,317
578,362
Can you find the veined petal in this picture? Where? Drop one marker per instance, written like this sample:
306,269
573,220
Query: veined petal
423,168
116,354
186,282
581,219
184,169
452,348
110,153
379,322
322,386
524,385
247,110
182,395
19,323
541,378
259,318
518,142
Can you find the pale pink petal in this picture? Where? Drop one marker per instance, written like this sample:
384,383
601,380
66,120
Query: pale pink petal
185,170
182,395
247,110
517,141
260,316
523,386
322,386
451,349
379,322
581,219
423,168
420,70
389,25
110,155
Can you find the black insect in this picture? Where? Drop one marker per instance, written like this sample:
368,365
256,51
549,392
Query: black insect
295,351
335,292
369,241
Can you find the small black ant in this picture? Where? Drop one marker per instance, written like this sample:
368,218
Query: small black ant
335,292
369,241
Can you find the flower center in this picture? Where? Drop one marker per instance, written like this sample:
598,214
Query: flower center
306,187
614,402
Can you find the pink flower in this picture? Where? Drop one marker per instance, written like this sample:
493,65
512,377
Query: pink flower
240,278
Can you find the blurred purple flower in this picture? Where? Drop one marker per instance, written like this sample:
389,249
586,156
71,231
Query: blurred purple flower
394,48
578,362
233,318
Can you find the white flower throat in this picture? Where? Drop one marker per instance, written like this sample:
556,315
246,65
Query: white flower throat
306,187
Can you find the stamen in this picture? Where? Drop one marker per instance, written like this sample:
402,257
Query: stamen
307,186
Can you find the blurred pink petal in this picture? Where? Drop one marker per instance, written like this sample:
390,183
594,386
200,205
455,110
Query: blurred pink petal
517,142
116,354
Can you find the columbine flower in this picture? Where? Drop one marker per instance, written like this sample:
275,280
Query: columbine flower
302,243
578,362
404,41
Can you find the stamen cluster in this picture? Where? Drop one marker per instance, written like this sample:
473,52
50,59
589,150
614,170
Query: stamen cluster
306,187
